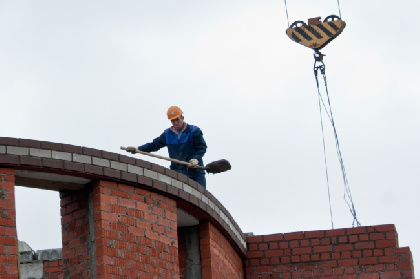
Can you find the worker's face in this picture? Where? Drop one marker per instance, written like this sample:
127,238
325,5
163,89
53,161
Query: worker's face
178,123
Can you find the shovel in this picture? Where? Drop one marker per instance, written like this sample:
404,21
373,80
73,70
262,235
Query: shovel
214,167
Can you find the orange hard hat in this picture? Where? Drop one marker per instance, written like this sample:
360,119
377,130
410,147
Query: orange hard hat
174,112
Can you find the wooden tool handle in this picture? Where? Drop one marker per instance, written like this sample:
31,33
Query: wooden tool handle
165,158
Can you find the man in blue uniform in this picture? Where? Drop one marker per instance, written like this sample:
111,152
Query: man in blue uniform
185,142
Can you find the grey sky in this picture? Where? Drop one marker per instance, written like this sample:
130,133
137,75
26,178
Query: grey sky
102,74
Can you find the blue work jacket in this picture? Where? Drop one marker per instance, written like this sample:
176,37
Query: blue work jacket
187,145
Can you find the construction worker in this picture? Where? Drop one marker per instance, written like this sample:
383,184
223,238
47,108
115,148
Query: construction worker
185,142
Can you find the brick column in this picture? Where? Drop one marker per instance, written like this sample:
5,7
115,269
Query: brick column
9,254
76,234
218,258
135,232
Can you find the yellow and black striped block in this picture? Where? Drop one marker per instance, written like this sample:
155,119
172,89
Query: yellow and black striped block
318,35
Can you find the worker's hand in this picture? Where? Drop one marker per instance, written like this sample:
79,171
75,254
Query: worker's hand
131,149
194,163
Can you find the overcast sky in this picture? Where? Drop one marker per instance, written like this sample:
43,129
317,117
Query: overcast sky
102,74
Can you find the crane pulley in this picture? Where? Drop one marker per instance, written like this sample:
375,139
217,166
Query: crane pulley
316,34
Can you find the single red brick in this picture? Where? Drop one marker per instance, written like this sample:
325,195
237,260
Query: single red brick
356,254
29,143
377,236
322,249
364,245
349,262
384,228
9,141
336,232
273,237
273,245
143,164
144,180
386,243
129,176
303,250
274,253
110,155
344,247
32,161
9,159
254,254
71,148
50,145
388,259
391,274
112,173
93,169
74,166
368,261
294,243
127,160
160,186
52,163
157,168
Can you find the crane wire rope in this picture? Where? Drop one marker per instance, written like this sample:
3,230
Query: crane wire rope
320,100
320,66
339,10
287,13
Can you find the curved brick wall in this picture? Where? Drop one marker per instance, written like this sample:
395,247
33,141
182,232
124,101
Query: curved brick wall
71,169
89,163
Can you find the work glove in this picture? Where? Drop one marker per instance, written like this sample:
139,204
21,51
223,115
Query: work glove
131,149
194,163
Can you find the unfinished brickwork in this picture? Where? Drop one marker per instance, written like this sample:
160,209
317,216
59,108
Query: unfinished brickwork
219,259
77,257
135,232
359,253
123,217
9,258
53,269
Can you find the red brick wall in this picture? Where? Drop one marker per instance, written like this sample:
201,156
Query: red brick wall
9,260
218,258
75,234
135,232
53,269
362,252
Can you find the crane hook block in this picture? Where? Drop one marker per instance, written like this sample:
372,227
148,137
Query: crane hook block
316,34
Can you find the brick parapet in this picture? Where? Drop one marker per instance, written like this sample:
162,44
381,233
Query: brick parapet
28,154
361,252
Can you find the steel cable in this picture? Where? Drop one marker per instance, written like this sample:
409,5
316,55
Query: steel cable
347,194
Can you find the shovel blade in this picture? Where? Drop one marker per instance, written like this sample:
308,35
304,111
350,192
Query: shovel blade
218,166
